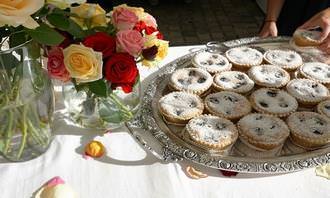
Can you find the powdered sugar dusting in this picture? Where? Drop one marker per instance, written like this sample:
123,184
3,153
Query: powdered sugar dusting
234,81
269,75
212,129
307,89
310,124
317,70
274,101
191,79
212,62
181,104
284,58
228,104
244,56
324,108
308,35
264,127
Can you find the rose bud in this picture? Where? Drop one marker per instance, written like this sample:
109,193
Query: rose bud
150,53
94,149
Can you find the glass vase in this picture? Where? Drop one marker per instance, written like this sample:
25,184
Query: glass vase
26,102
103,113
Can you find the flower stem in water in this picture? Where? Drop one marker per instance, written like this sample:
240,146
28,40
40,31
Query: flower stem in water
24,132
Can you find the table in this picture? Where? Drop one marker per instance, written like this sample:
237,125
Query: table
129,171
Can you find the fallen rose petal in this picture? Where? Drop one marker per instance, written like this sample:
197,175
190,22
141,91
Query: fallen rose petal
194,173
323,171
86,157
228,173
55,188
55,181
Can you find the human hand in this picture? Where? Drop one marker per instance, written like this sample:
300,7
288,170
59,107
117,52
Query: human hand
269,29
322,20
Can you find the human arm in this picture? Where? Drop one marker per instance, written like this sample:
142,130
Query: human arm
322,20
273,11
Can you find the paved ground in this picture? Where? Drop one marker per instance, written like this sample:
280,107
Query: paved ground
203,20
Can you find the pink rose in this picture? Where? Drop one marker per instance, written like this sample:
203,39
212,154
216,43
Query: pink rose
124,19
130,41
55,65
150,20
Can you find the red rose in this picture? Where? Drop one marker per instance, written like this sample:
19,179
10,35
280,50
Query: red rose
149,30
140,26
55,65
160,36
101,42
121,71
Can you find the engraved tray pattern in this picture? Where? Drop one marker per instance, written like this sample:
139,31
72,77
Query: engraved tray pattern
169,147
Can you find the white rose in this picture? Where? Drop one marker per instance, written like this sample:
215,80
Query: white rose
18,12
62,4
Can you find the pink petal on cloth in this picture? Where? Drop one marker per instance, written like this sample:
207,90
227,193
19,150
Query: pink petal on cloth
86,157
55,181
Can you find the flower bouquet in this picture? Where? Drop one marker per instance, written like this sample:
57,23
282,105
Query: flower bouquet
99,58
96,51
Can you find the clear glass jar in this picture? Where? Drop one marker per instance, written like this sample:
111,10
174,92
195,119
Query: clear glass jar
26,102
104,113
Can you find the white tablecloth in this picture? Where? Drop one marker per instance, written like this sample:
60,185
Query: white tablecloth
129,171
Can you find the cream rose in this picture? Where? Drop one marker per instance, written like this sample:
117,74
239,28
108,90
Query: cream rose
18,12
83,63
62,4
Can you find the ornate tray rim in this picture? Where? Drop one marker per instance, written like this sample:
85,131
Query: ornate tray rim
173,152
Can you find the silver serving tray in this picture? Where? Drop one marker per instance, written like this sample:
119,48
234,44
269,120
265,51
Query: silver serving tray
169,143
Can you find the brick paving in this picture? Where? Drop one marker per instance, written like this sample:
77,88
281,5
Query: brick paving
203,20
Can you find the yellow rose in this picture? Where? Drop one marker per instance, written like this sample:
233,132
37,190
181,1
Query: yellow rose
18,12
83,63
151,40
89,14
162,49
62,4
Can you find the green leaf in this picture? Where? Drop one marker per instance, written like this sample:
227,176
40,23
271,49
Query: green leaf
79,87
34,50
8,61
42,12
99,88
45,35
89,32
75,30
2,145
109,29
109,112
137,80
61,12
18,38
59,21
